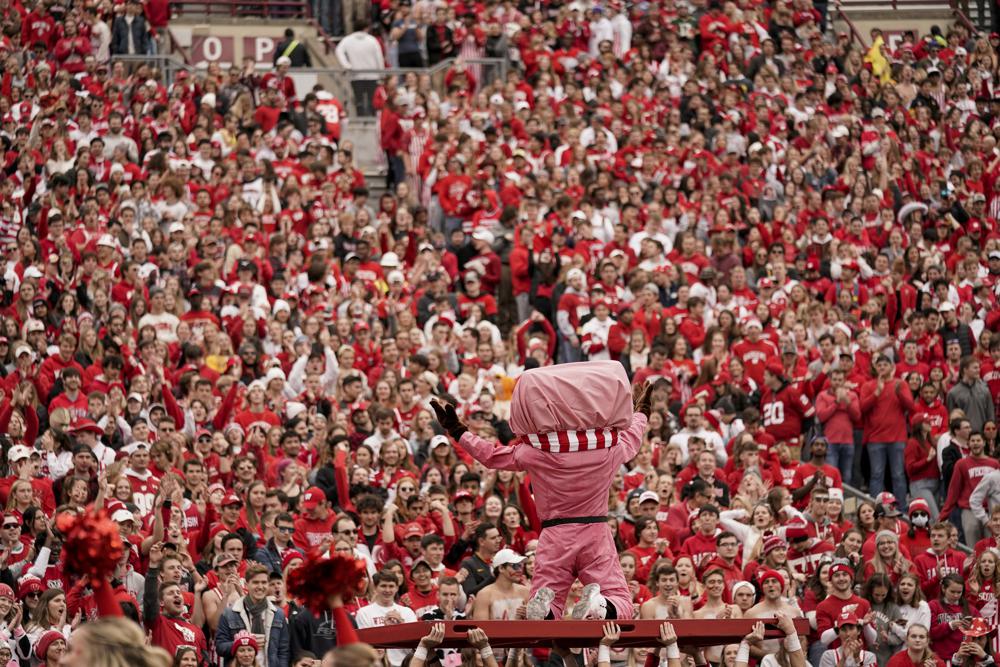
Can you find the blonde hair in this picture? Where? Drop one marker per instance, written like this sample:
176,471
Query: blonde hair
118,642
355,655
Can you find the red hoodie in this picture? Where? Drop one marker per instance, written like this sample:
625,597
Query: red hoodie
932,566
944,640
918,465
700,548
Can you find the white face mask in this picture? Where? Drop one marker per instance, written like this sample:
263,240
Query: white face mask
920,521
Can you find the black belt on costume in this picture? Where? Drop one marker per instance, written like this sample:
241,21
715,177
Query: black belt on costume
551,523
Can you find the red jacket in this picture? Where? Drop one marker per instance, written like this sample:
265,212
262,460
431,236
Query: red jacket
393,135
891,406
838,419
917,465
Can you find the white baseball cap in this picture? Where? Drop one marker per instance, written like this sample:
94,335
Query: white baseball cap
649,495
19,452
122,515
507,557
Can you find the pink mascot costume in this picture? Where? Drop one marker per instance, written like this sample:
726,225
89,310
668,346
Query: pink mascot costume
576,428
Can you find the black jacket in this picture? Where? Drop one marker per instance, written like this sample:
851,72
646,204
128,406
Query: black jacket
119,36
308,633
299,55
439,48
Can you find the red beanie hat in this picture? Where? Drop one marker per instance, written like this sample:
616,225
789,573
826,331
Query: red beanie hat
42,647
771,574
289,556
244,638
29,584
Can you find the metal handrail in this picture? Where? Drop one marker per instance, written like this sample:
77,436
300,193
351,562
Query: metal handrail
338,79
168,65
284,9
961,17
854,32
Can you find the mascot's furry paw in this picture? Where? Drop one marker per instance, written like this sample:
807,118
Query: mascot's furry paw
448,418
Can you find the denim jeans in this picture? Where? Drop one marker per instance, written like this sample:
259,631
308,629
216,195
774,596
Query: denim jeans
928,490
396,172
567,353
972,529
880,454
841,456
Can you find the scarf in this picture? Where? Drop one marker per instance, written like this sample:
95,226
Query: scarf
256,613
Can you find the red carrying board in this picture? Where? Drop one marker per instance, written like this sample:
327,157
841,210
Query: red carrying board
527,634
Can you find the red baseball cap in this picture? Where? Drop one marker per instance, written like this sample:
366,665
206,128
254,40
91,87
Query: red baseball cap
313,498
463,495
231,499
412,529
847,618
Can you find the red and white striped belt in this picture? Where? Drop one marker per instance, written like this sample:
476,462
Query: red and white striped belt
562,442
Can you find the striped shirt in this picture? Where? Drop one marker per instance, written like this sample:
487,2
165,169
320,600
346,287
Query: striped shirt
563,442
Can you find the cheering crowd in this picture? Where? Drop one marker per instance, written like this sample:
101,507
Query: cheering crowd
211,330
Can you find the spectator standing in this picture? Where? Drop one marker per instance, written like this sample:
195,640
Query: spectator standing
409,36
971,395
440,38
384,610
293,49
394,141
920,459
129,34
885,402
361,54
838,409
967,474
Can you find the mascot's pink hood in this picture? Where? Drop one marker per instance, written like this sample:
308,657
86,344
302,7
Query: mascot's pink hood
571,397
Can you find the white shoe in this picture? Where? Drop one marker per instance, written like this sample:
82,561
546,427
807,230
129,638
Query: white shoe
538,606
591,605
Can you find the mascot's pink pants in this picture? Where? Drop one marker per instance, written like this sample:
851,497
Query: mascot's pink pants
585,551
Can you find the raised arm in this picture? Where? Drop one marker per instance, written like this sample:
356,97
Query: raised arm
491,455
631,438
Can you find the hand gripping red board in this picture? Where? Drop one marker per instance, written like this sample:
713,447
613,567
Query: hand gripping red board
527,634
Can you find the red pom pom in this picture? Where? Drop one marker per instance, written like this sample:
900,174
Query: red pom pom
92,545
322,577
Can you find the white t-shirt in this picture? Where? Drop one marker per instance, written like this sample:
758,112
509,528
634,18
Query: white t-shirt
164,323
374,615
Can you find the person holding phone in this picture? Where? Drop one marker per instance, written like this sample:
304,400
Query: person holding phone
973,651
950,616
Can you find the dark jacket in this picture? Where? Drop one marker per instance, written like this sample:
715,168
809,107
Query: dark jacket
119,36
308,633
269,557
438,47
299,55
